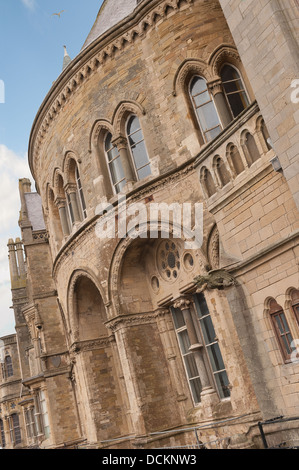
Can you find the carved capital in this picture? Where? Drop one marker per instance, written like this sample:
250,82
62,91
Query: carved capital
215,87
120,142
60,202
70,188
183,303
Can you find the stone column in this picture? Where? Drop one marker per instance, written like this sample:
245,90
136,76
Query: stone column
122,146
61,205
71,190
215,88
20,257
12,259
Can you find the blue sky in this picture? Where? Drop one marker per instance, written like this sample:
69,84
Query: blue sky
31,56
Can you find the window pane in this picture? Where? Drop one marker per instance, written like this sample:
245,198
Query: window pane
198,85
201,99
133,125
278,323
222,384
191,366
201,305
140,155
208,330
144,172
207,116
135,138
113,153
178,317
116,171
215,357
184,341
195,385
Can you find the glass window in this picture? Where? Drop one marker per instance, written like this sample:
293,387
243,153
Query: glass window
81,194
205,109
44,413
2,434
281,329
295,303
115,166
234,90
8,367
212,346
14,428
138,149
191,368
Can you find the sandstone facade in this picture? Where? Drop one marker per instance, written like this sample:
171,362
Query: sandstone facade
138,342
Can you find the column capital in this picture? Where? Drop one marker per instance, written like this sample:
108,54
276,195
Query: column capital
120,142
215,86
60,202
70,188
183,303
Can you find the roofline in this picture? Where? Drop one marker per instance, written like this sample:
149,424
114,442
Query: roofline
78,62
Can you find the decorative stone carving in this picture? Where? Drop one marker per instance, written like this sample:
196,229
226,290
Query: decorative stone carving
217,279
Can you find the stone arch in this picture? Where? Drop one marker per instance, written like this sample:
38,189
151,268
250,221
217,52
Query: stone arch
234,159
58,182
99,127
263,134
222,54
188,69
125,244
122,111
221,171
85,296
68,166
249,147
207,182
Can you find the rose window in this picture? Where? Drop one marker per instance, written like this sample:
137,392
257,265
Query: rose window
169,260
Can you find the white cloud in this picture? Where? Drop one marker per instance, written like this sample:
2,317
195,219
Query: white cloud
12,168
29,4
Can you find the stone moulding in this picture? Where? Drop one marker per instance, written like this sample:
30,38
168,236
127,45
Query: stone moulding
88,61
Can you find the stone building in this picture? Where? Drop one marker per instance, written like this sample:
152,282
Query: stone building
143,339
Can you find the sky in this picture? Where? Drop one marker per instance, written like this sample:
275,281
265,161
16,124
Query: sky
31,57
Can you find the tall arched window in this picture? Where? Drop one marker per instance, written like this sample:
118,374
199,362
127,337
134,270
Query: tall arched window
234,89
8,366
80,194
116,171
2,434
295,303
138,148
14,428
281,329
205,109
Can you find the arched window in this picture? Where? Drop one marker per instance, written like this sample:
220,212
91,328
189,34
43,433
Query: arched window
80,194
205,109
234,157
234,90
295,303
207,182
222,172
14,428
2,434
116,171
8,366
251,151
138,148
281,329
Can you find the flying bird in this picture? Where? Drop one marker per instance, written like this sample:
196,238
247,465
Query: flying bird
58,14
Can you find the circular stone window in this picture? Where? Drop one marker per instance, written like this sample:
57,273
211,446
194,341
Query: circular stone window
188,261
169,260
